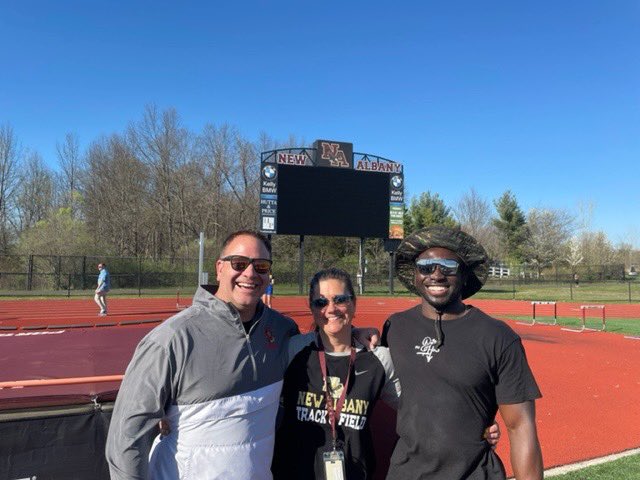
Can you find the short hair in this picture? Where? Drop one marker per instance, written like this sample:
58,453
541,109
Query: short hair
249,233
102,264
332,274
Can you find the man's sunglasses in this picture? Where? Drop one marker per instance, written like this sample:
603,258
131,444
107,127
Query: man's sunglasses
240,263
447,266
337,300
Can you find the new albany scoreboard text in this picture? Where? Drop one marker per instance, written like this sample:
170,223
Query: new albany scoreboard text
330,190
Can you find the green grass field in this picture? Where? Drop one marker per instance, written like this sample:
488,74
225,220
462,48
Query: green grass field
627,468
626,326
603,292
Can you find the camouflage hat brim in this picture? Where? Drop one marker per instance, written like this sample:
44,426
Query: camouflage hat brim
472,254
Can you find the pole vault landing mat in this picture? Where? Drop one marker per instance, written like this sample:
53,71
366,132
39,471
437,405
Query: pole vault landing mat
59,431
60,353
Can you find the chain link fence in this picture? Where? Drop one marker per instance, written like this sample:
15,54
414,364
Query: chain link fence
39,275
74,275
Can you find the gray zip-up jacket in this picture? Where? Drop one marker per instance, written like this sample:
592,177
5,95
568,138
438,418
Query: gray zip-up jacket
218,386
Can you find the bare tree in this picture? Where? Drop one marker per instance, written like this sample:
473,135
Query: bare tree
216,146
625,253
247,174
597,248
231,165
10,155
162,144
475,217
573,255
35,193
117,205
549,230
71,166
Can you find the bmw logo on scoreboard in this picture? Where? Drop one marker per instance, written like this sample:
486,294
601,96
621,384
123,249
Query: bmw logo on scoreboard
268,197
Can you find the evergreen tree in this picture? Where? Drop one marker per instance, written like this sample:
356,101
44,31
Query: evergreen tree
512,226
426,210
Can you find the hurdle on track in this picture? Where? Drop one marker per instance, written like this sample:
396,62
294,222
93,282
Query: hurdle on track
535,320
583,317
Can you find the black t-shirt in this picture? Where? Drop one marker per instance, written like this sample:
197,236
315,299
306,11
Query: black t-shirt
451,394
305,433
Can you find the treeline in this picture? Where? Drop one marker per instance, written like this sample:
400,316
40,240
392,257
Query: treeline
541,237
149,190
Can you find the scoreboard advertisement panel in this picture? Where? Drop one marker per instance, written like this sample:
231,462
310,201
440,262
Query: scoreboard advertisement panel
329,190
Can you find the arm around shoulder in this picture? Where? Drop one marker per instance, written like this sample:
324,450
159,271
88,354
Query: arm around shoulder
391,389
526,457
298,342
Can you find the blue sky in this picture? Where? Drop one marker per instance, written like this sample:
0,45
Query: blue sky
542,98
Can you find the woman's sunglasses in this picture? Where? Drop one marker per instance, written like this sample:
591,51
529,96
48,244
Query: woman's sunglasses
337,300
447,266
240,263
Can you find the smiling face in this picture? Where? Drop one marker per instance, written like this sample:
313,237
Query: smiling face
440,292
334,320
242,289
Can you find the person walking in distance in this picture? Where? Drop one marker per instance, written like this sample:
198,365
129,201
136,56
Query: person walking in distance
104,285
268,293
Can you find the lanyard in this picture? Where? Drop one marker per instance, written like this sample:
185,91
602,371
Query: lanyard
333,412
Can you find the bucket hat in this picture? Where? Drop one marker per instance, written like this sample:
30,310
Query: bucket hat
472,254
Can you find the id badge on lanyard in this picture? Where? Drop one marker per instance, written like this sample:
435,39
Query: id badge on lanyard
334,465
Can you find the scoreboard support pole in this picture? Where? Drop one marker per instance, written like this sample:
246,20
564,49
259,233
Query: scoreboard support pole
301,265
362,267
200,260
392,262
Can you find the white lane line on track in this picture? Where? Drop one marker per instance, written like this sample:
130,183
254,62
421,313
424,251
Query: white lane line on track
552,472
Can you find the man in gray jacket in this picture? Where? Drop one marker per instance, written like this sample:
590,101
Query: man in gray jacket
214,371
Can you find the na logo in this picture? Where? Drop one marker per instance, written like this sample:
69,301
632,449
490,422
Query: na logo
335,155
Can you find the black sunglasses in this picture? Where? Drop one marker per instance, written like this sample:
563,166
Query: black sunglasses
337,300
240,263
447,266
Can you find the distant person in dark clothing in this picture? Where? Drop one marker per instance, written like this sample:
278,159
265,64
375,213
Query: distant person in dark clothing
576,279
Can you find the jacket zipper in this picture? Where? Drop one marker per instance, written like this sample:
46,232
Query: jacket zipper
251,354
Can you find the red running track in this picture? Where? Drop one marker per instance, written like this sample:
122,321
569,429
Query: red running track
590,381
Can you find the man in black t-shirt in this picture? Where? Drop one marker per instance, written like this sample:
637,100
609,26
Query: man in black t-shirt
457,367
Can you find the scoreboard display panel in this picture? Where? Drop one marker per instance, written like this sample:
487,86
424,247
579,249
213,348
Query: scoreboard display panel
331,201
329,190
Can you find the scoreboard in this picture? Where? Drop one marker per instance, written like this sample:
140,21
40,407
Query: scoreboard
328,190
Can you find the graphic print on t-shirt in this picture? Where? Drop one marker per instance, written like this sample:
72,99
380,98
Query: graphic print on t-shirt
427,349
335,387
311,407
